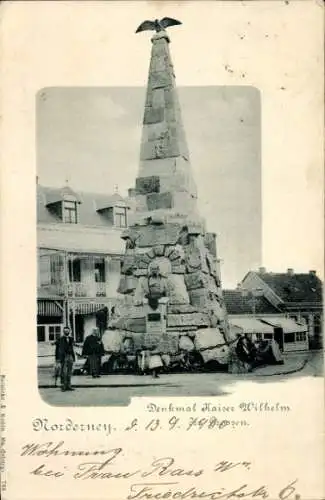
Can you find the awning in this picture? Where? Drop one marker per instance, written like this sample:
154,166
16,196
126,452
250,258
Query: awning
49,308
287,324
87,307
251,325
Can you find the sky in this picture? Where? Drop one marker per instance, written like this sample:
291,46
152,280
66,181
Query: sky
90,137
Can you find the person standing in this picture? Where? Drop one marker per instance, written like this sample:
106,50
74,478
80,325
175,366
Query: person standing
66,356
94,350
244,353
57,366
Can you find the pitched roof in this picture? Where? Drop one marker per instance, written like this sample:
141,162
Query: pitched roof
89,205
300,287
54,195
237,303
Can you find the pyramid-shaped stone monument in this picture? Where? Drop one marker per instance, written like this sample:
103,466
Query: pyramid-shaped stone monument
169,255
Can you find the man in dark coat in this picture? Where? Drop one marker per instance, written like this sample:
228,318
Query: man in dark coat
93,348
66,356
57,366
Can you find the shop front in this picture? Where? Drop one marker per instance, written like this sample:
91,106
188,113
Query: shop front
294,336
290,335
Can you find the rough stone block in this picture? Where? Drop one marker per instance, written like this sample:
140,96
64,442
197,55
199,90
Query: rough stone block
210,243
137,219
127,284
153,115
181,308
211,264
178,253
178,269
141,263
177,290
182,329
212,286
151,253
156,219
192,259
144,258
158,98
141,203
169,98
159,79
194,228
156,201
159,250
218,310
196,280
138,339
164,264
168,344
158,235
140,272
195,255
200,298
170,115
137,325
145,185
168,250
199,319
182,200
157,166
148,150
154,132
132,312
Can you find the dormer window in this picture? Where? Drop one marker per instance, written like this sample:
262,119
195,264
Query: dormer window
69,212
120,218
63,203
114,209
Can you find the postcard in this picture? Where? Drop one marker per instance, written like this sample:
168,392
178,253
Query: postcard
162,250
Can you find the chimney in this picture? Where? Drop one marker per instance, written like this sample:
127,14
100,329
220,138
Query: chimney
290,271
313,272
262,270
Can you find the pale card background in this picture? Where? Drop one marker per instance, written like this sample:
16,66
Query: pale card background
47,44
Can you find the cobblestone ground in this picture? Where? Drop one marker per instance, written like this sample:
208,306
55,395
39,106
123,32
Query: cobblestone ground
114,390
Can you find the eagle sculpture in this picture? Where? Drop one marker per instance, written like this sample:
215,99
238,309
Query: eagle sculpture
157,25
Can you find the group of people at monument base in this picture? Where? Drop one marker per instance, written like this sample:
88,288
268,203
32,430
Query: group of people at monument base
244,356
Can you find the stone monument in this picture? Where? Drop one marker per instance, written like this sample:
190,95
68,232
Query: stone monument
166,231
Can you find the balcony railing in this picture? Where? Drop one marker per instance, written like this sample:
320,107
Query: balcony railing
77,289
100,289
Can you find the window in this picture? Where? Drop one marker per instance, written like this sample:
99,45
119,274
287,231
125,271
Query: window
41,334
289,337
74,270
44,270
100,271
268,336
56,266
120,217
53,332
69,212
300,336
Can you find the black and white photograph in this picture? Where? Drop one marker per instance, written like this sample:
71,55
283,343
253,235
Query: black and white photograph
150,271
162,250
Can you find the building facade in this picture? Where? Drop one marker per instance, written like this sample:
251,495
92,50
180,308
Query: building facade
79,257
250,312
298,296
